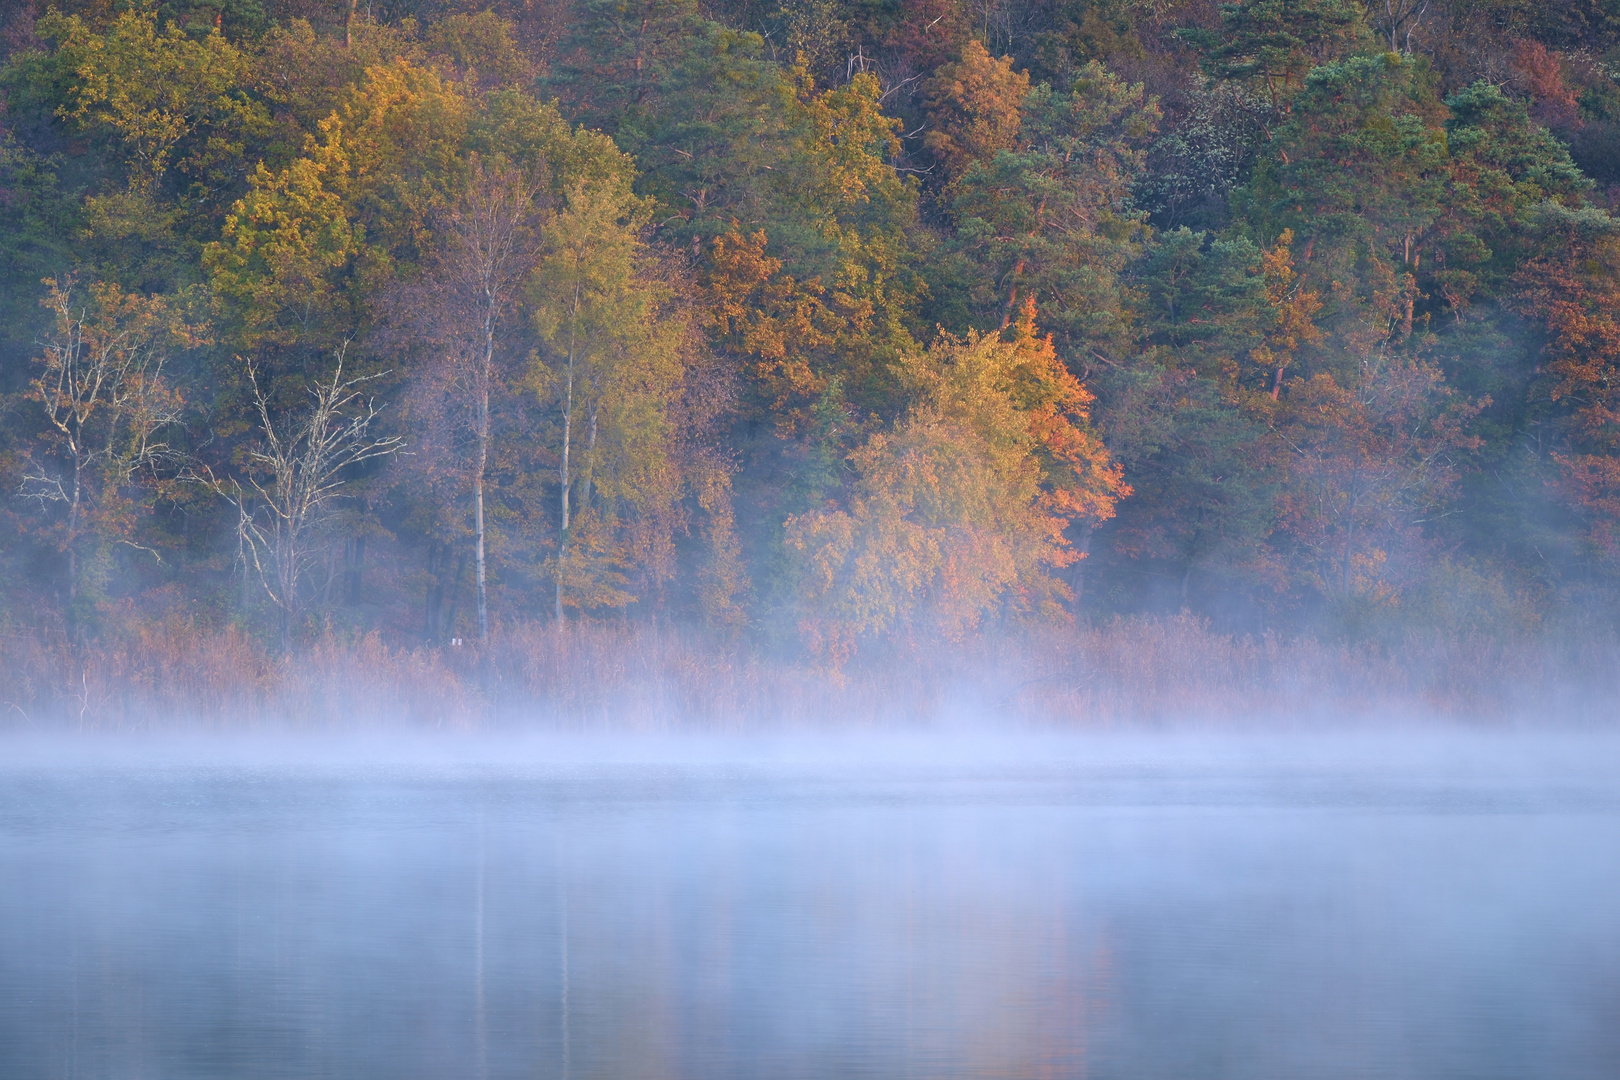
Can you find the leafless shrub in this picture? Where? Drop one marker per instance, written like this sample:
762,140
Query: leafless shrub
182,673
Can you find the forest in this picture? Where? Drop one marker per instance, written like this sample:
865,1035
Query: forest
816,333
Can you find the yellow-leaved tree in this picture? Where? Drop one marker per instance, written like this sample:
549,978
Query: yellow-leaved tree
165,96
278,268
614,355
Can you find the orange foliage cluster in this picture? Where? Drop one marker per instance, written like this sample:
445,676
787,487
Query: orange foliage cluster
1577,293
848,326
960,512
781,325
974,108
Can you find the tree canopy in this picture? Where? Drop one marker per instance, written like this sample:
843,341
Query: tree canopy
842,326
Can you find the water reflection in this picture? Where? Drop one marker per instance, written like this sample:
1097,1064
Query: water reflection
716,921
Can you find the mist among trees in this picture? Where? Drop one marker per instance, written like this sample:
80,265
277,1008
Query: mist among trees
822,330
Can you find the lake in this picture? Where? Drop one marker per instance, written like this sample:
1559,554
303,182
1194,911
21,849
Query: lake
925,905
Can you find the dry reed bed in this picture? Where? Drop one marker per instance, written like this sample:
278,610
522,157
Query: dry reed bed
1130,671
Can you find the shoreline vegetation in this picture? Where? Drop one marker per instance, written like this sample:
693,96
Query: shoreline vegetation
713,363
1130,673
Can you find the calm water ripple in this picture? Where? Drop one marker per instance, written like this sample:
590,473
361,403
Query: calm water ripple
1075,915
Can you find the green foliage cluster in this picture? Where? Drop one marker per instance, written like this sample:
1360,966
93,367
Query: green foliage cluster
837,325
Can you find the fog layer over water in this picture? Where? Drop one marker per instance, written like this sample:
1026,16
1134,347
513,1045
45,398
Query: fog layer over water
1434,905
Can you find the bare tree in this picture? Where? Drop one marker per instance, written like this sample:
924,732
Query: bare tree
463,311
1397,19
293,482
107,407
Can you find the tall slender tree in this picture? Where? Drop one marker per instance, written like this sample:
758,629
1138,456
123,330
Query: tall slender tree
467,308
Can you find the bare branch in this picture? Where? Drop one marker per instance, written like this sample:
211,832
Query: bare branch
286,499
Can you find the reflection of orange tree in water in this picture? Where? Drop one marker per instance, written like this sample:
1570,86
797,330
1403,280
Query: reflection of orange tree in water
1078,1003
1041,998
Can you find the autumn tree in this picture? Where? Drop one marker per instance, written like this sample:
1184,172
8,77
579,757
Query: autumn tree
610,369
305,76
405,130
154,90
1368,462
958,512
467,306
1053,220
1576,291
786,332
110,412
727,140
1507,175
974,108
1400,198
169,115
1358,174
1293,309
280,263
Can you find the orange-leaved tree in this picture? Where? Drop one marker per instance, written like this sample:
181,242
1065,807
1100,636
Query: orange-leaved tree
786,333
974,109
959,510
1293,310
1577,292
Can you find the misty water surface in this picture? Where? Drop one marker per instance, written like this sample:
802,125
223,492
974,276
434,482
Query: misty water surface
1444,906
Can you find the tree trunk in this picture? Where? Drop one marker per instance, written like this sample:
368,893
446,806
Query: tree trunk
287,581
73,534
433,608
1018,267
1083,549
568,431
331,572
483,464
1349,545
1413,258
478,517
357,563
455,594
241,557
1012,297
